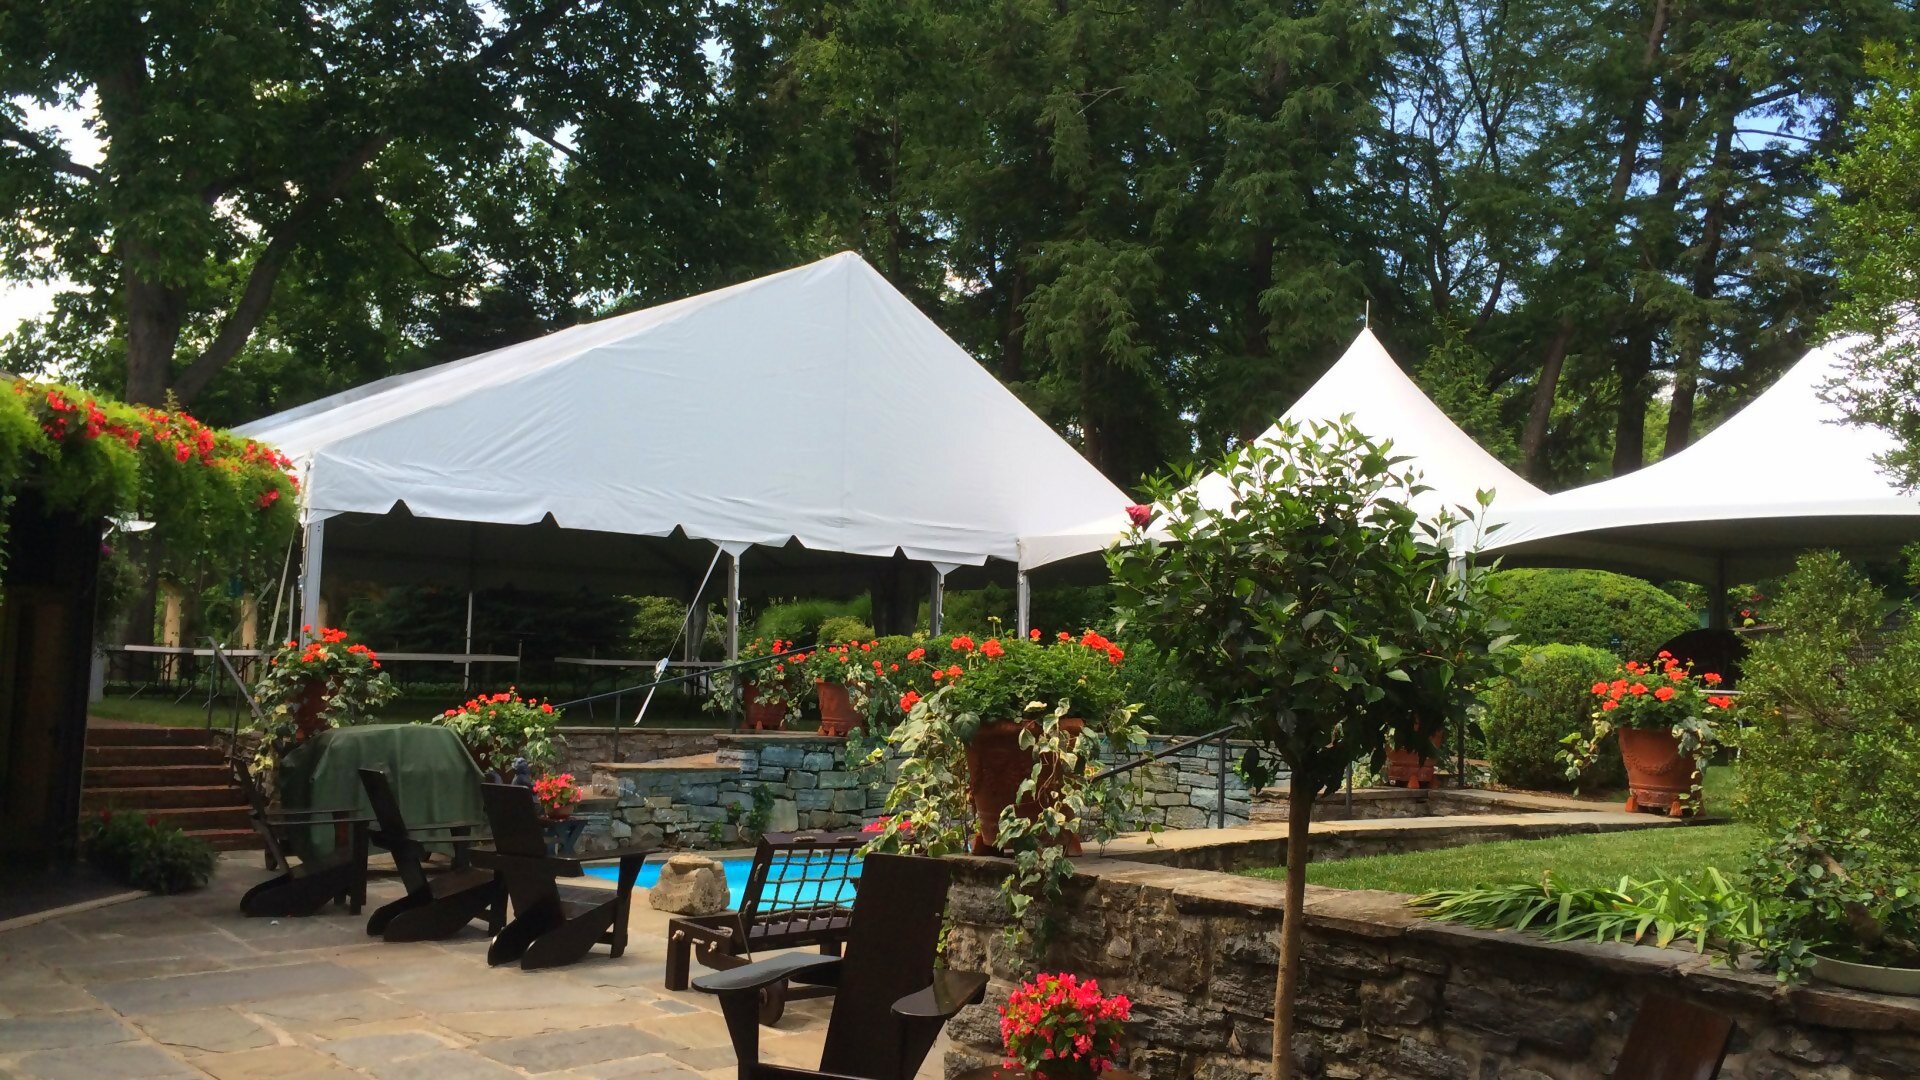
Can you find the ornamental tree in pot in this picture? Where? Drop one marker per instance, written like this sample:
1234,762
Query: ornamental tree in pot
1668,725
1313,605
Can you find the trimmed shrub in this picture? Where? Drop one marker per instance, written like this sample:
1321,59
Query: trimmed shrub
1169,705
1832,707
1547,699
841,629
799,620
141,852
1625,616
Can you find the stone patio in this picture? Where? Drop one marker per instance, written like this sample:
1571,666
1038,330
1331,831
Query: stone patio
185,986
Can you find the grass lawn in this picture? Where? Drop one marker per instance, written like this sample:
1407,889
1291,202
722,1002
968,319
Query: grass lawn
158,709
1577,861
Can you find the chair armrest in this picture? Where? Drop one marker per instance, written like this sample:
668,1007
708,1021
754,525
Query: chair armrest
763,973
432,826
951,991
634,851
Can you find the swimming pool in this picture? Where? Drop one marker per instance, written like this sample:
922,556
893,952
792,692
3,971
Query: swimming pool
784,878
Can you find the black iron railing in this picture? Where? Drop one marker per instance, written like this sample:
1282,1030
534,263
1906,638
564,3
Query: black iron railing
223,665
728,669
1219,735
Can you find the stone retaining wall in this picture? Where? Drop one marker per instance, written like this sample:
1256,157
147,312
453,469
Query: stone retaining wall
705,803
589,746
1183,789
1388,995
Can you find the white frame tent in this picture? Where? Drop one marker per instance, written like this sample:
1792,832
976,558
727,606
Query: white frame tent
1786,473
814,415
1386,404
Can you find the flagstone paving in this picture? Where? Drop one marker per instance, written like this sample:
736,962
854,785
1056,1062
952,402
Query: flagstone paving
184,986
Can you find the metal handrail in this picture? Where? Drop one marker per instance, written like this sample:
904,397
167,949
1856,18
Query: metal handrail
246,693
1218,735
704,673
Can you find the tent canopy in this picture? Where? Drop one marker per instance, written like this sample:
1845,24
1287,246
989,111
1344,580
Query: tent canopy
816,405
1385,404
1784,474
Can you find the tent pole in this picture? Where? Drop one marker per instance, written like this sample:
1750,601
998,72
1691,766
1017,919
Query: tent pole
1022,604
733,630
466,669
1717,599
314,545
936,602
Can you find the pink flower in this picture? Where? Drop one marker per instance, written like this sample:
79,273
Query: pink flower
1140,515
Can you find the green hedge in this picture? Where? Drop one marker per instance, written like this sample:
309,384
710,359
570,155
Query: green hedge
1527,715
1625,616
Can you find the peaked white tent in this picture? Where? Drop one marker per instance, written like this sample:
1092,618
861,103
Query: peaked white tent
1784,474
1385,404
816,406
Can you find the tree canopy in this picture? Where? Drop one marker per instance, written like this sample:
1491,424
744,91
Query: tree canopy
1589,228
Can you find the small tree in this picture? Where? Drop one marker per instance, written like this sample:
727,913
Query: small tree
1322,612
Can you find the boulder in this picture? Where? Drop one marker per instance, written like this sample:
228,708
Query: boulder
690,885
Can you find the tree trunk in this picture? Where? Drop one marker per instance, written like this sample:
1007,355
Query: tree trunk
1533,440
1630,426
1706,277
1286,986
1013,335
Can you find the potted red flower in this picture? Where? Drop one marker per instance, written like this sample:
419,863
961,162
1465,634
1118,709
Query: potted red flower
1668,722
1062,1026
769,692
557,796
833,669
309,687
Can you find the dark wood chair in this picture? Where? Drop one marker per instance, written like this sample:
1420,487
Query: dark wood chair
305,883
551,926
436,906
1674,1040
891,1003
799,894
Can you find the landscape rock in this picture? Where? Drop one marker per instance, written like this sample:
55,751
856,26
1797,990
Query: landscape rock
690,885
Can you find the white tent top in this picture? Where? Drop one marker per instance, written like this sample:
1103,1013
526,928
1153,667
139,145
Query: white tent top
1385,404
816,404
1784,474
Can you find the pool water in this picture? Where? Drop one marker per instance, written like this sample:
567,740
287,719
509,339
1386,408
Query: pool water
784,879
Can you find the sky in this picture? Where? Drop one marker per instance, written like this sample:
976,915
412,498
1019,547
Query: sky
20,301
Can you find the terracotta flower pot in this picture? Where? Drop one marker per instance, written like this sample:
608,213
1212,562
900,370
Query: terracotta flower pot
758,716
1659,777
996,767
837,714
306,715
1406,768
559,813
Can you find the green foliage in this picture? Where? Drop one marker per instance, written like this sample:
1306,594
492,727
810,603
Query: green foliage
1874,208
1832,703
213,497
1625,616
139,851
1834,892
1169,702
497,728
800,620
1699,907
1530,713
657,624
577,622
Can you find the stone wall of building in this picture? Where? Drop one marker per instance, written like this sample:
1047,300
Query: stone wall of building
1388,995
1183,789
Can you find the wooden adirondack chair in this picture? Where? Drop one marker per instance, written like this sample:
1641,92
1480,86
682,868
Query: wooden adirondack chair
438,906
799,893
551,926
1674,1040
891,1003
303,886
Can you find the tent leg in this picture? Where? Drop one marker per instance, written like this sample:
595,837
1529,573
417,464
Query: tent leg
466,669
733,630
936,602
313,547
1023,604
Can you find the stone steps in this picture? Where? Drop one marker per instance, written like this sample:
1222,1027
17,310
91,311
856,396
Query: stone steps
176,776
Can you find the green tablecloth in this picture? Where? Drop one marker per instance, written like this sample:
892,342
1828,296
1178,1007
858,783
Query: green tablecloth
433,777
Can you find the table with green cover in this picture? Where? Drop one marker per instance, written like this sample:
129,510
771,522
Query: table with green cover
434,779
